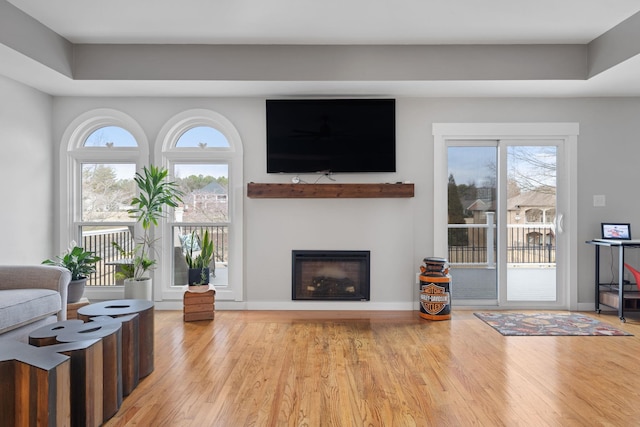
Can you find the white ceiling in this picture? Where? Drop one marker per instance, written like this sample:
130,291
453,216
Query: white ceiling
329,22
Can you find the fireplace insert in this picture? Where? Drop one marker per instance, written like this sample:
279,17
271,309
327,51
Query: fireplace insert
331,275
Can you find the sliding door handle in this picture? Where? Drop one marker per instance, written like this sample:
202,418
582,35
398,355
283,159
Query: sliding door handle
560,223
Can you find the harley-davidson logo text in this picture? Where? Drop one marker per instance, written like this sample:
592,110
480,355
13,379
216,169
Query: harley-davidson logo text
434,298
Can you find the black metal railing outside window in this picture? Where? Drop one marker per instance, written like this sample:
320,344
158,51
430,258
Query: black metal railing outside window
526,244
100,240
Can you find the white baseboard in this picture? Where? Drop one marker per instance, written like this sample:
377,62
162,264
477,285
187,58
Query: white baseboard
295,305
176,304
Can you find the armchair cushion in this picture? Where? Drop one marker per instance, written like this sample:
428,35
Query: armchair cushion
19,307
29,294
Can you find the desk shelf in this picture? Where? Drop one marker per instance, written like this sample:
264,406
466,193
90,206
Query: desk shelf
610,296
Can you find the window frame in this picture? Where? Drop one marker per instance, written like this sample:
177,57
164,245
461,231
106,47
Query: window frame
73,154
168,154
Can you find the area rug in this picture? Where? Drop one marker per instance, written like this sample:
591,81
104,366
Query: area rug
538,324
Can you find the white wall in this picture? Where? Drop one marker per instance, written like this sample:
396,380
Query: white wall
26,172
398,231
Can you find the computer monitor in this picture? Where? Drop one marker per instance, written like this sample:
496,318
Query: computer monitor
618,231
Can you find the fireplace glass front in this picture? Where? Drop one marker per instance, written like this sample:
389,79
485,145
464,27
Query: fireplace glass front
331,275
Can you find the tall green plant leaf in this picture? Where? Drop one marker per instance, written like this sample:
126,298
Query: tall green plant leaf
155,193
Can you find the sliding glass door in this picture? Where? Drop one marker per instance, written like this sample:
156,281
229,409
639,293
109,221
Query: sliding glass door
503,226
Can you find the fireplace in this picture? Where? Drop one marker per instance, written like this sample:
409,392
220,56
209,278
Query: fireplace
330,275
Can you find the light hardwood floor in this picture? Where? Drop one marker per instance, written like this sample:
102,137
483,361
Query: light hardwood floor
318,368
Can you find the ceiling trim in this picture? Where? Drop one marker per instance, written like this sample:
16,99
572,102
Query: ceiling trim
617,45
27,36
329,63
34,55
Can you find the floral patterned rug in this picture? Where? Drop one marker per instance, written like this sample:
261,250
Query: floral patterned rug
532,324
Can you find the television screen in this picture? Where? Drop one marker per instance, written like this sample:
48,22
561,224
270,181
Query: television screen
331,135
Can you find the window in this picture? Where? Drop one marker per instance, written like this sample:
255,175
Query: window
203,153
533,215
101,151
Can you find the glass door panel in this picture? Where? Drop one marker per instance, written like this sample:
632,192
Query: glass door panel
471,208
531,207
502,208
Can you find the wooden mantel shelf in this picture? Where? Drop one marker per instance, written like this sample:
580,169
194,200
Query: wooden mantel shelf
325,191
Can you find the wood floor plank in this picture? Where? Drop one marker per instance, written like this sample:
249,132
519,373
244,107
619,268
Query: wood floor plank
330,368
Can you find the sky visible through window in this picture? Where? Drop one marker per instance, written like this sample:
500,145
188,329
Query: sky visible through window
477,165
196,137
201,137
469,164
111,136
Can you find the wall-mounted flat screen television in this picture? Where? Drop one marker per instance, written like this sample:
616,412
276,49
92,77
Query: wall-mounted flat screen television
331,135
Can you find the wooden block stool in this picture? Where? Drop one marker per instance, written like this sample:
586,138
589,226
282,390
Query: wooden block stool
96,369
34,385
126,307
111,335
86,371
130,350
199,305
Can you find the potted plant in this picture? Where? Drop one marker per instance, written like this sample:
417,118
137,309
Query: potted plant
156,194
199,263
81,264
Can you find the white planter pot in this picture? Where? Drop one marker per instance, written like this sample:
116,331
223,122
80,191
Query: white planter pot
198,289
138,289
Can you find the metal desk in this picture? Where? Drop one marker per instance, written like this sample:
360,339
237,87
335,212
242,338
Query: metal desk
621,245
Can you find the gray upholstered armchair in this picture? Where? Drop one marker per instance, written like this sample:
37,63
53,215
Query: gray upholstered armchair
30,297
